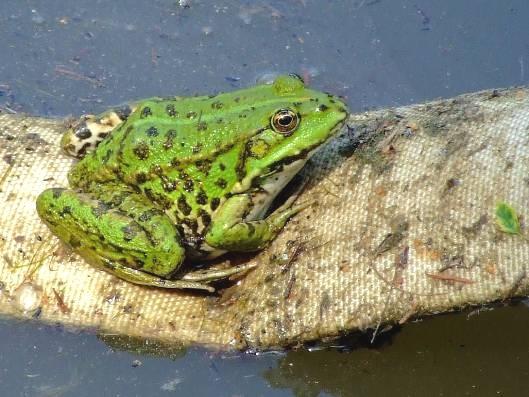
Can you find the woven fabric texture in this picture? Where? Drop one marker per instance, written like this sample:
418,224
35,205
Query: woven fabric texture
403,224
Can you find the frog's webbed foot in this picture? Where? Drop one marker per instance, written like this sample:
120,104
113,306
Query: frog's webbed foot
85,134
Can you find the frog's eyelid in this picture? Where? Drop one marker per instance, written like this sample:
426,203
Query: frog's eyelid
297,76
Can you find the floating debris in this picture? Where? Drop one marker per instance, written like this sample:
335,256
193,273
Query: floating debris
184,3
207,30
28,298
37,18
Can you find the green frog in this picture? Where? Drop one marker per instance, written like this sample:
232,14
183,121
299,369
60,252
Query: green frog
167,179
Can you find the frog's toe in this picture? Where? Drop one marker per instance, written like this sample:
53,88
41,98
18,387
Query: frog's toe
79,138
89,131
217,274
138,277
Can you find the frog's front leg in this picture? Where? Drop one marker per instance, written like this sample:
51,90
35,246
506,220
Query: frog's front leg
119,231
230,232
85,134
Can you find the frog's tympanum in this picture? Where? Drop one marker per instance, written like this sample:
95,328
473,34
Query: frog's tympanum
166,179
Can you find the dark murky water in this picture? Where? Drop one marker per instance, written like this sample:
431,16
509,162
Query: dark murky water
68,57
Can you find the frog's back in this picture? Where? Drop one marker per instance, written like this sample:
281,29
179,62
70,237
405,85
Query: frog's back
188,155
182,153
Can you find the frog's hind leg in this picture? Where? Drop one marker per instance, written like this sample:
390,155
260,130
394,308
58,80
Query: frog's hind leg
87,132
118,230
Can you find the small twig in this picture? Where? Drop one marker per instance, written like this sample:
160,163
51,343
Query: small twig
60,302
381,277
9,110
76,76
290,284
154,56
408,314
516,284
6,174
447,277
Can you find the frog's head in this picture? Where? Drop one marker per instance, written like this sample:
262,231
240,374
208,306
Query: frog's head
295,122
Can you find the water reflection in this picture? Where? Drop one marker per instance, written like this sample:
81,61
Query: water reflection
458,354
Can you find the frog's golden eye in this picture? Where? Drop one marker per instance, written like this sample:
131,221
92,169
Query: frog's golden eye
285,121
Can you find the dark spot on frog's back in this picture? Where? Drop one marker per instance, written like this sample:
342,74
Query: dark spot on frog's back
101,209
123,112
141,178
147,215
221,182
170,110
130,231
168,185
201,198
191,223
56,192
183,206
189,185
323,108
141,150
202,126
203,166
217,105
163,200
152,131
191,115
170,135
66,210
215,201
206,218
145,112
107,155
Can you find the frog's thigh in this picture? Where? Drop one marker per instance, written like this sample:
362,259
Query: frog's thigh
231,233
90,130
117,230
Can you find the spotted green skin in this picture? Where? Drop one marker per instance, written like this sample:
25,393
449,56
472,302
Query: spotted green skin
189,177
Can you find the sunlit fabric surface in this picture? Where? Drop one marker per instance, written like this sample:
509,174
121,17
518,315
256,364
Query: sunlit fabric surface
403,224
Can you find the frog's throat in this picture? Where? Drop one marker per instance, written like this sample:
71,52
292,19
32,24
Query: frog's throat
272,186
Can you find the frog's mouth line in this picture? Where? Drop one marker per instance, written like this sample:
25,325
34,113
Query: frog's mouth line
307,153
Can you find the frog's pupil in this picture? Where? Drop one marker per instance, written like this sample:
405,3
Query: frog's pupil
285,120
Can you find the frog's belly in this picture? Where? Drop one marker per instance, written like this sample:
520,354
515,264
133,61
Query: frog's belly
271,188
203,251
